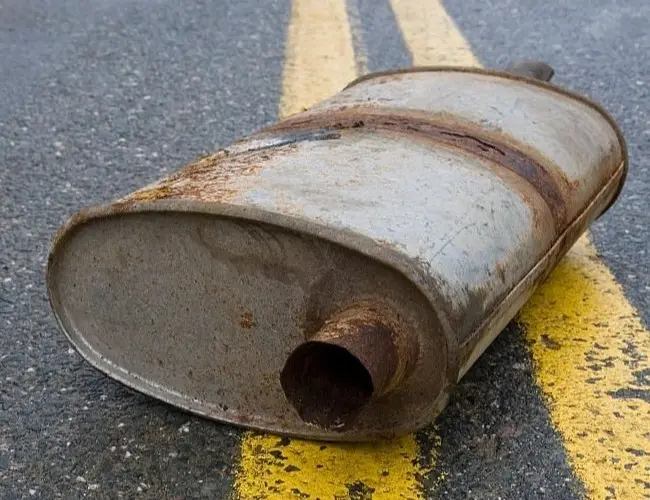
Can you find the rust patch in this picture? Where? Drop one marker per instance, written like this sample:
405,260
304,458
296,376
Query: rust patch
370,337
211,178
152,193
500,270
473,311
549,182
247,320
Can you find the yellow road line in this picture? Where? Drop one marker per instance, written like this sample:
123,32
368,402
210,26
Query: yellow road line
274,468
591,355
319,56
590,348
320,61
431,34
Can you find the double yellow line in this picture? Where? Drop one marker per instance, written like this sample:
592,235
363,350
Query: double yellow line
589,347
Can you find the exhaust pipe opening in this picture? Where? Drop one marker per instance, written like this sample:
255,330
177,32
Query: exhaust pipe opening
357,356
327,385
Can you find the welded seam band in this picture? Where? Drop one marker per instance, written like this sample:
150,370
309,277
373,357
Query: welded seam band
455,135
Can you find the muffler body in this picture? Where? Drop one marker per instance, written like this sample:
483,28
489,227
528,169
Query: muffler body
334,275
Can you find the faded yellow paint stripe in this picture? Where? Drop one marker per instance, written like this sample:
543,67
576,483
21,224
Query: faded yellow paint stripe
319,56
431,34
274,468
591,352
319,62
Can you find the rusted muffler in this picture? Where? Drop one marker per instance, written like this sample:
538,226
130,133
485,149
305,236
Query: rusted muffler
334,275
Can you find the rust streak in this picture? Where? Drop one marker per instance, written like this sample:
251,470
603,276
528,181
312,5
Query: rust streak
211,178
247,320
549,182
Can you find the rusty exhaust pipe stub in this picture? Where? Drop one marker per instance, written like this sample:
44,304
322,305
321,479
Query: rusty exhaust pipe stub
334,275
357,356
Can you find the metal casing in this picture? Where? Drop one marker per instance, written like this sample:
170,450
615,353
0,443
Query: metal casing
442,195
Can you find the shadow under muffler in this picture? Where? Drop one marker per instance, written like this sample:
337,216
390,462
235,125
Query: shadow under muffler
333,276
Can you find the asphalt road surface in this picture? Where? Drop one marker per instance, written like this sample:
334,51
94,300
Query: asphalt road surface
98,98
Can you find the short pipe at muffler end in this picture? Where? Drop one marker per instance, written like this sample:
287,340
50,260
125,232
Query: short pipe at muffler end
358,356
